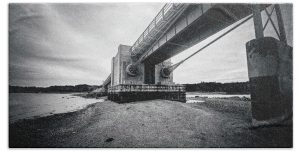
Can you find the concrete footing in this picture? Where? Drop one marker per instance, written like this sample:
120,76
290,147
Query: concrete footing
131,93
270,69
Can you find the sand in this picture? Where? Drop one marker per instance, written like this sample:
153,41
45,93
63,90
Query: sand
155,123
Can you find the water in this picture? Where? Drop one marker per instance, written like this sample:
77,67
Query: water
211,95
194,101
215,95
29,105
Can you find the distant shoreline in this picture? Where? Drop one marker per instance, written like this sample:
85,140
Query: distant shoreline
229,88
54,89
83,94
73,93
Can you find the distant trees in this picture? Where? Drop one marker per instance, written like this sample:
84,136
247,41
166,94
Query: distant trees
53,89
233,87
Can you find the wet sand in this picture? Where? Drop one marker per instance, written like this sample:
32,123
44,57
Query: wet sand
156,123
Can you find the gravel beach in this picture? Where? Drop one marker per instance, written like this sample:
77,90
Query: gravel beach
155,123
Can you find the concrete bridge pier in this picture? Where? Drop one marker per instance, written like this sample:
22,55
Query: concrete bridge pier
131,81
270,69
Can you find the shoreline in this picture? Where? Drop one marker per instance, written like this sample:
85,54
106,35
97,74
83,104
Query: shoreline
39,105
83,95
35,118
155,123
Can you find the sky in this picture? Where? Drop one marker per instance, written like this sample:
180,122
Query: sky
70,44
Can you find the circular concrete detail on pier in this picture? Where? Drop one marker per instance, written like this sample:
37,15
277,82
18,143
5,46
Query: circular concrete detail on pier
132,70
165,72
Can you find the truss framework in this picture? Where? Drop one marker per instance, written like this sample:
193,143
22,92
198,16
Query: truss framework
260,28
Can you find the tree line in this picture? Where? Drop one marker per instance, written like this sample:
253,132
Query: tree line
233,87
53,89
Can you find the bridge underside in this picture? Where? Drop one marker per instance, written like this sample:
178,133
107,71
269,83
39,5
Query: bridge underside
213,20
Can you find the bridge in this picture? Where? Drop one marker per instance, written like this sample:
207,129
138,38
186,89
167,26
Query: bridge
176,28
146,67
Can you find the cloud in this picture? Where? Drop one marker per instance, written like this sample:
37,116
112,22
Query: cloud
60,44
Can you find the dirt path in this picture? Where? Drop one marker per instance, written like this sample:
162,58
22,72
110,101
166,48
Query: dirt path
157,123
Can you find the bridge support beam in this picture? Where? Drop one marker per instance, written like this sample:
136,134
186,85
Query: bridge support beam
259,30
270,69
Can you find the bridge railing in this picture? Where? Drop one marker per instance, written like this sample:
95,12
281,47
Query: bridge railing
155,28
107,80
146,88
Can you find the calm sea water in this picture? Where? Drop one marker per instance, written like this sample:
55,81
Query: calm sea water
215,95
212,95
29,105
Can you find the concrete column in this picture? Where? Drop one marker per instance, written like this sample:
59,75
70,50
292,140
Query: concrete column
270,70
149,73
259,30
282,35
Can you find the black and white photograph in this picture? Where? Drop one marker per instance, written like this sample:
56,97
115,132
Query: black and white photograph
150,75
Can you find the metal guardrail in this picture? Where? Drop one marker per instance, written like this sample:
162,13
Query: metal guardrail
146,88
155,28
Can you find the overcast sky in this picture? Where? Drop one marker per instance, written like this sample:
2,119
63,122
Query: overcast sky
69,44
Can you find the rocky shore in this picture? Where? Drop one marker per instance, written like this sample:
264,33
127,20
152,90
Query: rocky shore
155,123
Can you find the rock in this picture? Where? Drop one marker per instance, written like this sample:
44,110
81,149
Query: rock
109,139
